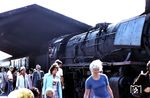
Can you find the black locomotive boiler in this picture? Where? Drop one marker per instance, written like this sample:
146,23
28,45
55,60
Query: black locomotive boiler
124,48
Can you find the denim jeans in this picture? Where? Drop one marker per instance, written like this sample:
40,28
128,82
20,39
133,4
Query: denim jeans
10,86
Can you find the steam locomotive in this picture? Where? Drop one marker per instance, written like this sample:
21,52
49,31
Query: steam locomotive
123,47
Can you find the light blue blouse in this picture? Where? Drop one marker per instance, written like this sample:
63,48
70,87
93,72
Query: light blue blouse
48,83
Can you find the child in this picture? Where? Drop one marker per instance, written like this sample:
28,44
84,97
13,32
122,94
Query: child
50,93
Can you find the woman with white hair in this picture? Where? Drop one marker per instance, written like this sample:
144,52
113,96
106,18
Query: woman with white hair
97,82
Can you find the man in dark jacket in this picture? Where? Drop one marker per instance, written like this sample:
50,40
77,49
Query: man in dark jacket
144,81
37,77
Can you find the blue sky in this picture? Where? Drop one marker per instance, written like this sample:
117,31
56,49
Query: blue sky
87,11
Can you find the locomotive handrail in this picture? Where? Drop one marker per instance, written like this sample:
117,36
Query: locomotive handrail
78,65
123,63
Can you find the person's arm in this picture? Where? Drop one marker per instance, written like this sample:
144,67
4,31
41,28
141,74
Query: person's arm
33,76
17,82
60,89
108,87
44,86
110,91
147,90
62,82
28,81
86,93
61,77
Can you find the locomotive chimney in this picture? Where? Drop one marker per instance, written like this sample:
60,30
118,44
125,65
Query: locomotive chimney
147,6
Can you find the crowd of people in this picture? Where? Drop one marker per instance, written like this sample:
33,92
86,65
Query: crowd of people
14,79
36,84
40,84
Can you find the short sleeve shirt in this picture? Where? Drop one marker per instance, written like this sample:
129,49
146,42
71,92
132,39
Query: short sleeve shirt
59,72
9,74
99,87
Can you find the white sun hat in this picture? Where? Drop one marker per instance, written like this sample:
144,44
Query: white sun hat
22,67
96,64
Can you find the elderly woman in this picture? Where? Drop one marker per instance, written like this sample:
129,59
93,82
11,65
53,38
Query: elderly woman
97,82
